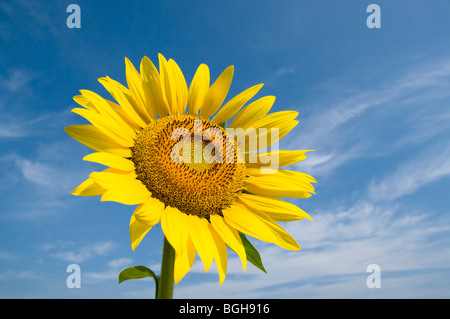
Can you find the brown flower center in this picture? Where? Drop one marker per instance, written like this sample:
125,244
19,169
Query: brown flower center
189,163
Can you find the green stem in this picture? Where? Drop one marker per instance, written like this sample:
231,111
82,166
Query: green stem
166,281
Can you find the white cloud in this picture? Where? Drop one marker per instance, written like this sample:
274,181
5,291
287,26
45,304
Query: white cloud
283,70
104,248
85,253
95,277
349,123
119,263
29,16
14,88
11,275
409,177
73,257
35,172
7,256
17,80
45,180
424,129
110,273
12,130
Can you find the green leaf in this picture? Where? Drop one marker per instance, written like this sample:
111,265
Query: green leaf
138,272
252,254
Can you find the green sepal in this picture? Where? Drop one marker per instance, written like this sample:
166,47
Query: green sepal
138,272
252,254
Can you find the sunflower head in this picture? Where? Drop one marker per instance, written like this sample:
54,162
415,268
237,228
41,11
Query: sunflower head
168,151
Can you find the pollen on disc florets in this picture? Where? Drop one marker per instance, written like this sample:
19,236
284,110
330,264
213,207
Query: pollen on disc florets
196,187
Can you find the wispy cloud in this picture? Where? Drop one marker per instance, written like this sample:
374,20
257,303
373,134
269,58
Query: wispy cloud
44,180
85,253
284,70
110,272
409,177
12,130
7,256
119,263
17,93
17,79
30,17
348,122
12,275
281,72
14,87
49,177
37,173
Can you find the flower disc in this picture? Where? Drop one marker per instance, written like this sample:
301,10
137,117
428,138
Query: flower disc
200,183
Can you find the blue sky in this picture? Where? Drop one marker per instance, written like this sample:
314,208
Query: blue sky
373,103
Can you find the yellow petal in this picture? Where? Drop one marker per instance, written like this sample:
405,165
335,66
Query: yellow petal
217,93
149,212
252,139
253,111
209,245
173,86
273,185
135,86
107,126
144,217
275,208
118,112
198,88
121,188
298,176
88,188
83,101
235,104
152,86
167,86
285,158
137,232
131,194
220,254
230,236
105,108
258,225
110,160
202,239
276,119
123,96
271,135
180,87
93,138
270,128
174,226
176,230
184,261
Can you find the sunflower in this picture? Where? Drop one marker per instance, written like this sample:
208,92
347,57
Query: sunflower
204,202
